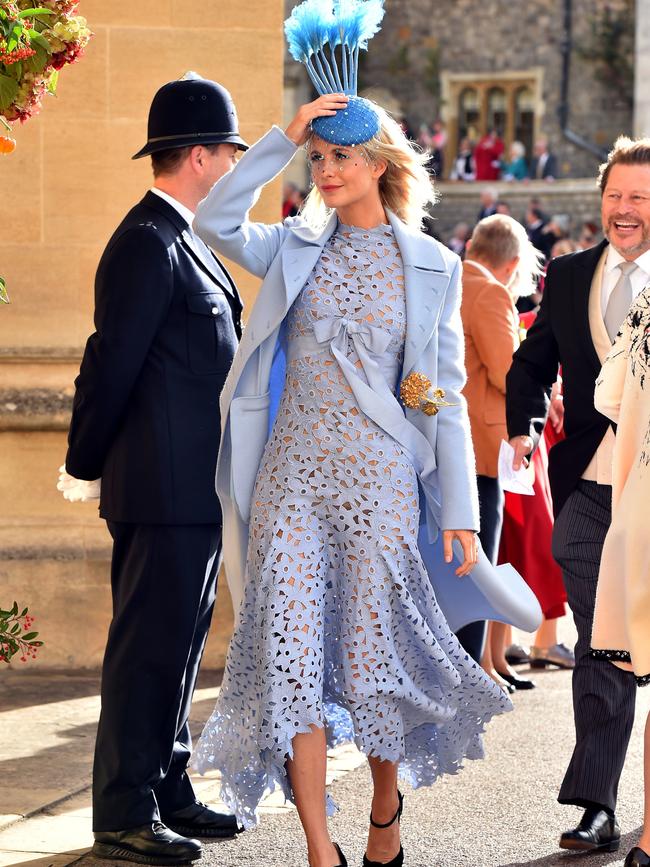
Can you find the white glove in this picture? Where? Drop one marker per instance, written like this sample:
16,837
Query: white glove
77,490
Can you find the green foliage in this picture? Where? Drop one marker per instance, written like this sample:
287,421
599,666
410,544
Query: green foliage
16,636
8,90
431,77
610,47
399,63
4,296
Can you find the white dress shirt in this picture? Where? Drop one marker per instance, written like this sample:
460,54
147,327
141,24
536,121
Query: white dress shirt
611,273
183,210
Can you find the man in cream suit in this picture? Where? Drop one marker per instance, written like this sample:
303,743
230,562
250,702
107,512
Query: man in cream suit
586,298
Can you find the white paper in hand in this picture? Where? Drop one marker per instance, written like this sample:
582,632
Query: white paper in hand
519,481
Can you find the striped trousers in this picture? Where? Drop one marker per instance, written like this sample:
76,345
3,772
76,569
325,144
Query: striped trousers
603,695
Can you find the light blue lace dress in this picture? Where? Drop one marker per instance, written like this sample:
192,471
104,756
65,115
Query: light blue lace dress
339,624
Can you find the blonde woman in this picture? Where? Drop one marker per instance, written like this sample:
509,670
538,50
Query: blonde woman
517,168
621,633
338,633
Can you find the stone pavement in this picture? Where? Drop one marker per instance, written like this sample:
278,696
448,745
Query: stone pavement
500,812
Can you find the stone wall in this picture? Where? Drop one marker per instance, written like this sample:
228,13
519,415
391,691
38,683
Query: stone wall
64,190
459,202
421,42
423,46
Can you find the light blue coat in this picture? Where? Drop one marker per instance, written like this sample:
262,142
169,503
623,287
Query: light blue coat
284,254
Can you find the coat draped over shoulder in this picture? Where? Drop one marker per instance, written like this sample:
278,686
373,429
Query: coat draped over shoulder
284,254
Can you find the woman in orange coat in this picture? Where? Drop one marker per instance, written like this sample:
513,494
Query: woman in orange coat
501,264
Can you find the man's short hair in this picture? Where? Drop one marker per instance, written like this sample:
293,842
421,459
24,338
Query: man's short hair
497,239
626,152
169,161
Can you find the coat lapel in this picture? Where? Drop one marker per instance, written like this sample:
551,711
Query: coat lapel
426,280
299,256
585,267
205,258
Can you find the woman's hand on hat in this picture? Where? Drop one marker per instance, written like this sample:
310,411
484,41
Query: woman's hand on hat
325,106
467,539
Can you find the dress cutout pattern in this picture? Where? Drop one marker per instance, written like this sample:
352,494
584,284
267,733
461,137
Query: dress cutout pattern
339,626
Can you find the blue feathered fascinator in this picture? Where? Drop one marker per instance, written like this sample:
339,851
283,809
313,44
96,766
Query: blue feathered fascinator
314,31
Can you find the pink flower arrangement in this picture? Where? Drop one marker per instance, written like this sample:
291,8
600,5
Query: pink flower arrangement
35,43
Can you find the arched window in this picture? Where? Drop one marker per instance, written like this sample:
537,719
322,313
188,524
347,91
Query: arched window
510,103
525,118
469,113
497,110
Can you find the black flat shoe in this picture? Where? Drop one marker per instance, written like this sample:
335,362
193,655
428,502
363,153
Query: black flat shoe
398,860
198,820
148,844
517,682
637,858
342,859
597,831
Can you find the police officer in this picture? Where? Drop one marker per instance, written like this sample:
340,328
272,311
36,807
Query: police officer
146,420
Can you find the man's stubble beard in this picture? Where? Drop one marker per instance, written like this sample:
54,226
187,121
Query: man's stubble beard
637,249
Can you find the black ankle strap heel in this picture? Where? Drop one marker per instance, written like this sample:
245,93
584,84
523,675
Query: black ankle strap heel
398,860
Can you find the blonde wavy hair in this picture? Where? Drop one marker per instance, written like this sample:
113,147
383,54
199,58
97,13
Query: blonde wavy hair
405,188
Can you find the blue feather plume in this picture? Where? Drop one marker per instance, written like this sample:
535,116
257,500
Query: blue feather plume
345,23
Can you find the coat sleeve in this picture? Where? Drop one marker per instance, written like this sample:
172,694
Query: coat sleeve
222,217
494,333
133,296
533,371
454,450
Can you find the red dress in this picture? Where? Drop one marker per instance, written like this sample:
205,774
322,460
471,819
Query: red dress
487,154
527,529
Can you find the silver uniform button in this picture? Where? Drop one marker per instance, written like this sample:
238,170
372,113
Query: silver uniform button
214,311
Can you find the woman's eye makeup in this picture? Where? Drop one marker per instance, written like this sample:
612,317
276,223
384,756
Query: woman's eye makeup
337,156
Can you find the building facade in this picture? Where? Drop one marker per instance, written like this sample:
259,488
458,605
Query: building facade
556,68
65,189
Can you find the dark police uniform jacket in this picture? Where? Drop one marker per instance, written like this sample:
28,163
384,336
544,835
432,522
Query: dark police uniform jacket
146,409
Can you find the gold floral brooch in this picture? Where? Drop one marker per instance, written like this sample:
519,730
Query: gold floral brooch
413,392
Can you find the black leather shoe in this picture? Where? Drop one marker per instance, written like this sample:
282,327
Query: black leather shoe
342,859
148,844
517,682
637,858
597,831
198,820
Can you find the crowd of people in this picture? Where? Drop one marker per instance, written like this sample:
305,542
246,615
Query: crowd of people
355,431
552,234
487,160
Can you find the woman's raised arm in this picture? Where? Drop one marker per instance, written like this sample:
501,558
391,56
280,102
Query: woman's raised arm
222,217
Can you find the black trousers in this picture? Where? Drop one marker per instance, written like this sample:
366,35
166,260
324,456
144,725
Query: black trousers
490,501
603,695
164,582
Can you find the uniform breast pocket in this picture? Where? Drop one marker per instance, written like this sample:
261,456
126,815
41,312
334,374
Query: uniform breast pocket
211,336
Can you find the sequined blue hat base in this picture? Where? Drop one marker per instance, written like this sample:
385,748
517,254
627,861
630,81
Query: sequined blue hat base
354,125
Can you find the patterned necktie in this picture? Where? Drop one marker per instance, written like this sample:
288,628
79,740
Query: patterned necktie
620,299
